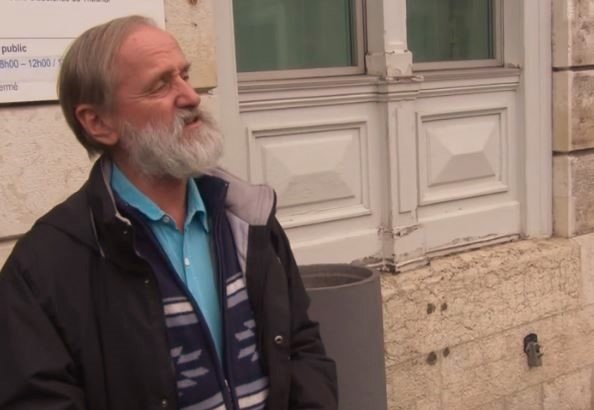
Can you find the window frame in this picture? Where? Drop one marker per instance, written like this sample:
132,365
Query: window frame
359,52
498,61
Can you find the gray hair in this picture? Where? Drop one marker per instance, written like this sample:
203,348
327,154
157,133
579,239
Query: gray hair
86,74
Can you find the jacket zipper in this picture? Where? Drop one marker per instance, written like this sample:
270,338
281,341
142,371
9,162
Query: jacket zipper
217,226
228,397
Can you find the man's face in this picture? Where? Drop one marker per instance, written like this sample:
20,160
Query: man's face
151,79
161,129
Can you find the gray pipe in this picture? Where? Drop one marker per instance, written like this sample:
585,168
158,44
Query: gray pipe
346,301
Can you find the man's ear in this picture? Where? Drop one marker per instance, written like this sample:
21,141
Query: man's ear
97,125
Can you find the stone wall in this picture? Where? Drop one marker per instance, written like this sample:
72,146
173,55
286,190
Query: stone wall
454,331
573,116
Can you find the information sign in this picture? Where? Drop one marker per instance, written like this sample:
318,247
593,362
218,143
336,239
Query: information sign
35,33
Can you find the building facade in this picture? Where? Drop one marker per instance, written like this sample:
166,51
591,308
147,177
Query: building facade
447,144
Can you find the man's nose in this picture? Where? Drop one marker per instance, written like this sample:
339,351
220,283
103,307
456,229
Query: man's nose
187,97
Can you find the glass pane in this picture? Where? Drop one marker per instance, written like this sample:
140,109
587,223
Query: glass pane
450,30
293,34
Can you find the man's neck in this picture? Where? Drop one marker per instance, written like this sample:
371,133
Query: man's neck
167,192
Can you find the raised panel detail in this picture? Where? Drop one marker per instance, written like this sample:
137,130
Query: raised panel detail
319,171
462,154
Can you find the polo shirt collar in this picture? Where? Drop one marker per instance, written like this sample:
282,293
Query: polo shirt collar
135,198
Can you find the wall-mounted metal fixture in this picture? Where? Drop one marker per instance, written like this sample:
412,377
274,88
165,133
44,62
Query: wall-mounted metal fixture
532,350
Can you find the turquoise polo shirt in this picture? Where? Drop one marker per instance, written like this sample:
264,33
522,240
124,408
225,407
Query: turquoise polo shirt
188,251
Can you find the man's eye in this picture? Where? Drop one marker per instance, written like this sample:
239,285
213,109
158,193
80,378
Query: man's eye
161,85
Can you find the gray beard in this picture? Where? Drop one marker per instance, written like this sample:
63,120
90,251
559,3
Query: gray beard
159,150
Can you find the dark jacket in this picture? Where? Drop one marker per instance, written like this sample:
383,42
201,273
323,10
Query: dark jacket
82,322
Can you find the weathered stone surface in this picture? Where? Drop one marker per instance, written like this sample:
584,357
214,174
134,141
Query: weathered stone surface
573,102
582,189
472,295
529,399
454,331
192,24
587,256
41,163
414,385
563,199
473,374
495,405
570,392
573,191
573,32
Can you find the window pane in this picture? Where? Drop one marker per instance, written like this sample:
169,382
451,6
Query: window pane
450,30
293,34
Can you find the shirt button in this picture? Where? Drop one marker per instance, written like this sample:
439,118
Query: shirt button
187,261
166,219
278,339
164,403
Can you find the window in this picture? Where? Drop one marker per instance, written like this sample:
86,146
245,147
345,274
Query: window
297,38
453,33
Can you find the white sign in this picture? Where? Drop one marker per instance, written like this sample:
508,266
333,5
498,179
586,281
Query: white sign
35,33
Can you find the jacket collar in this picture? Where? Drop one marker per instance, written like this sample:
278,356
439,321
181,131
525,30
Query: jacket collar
254,204
111,233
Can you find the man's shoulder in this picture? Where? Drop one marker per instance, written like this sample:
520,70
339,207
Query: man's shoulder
252,203
70,217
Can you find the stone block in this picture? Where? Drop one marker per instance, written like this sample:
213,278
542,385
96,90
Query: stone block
573,194
414,385
483,371
573,99
587,256
476,294
529,399
495,405
563,199
473,375
583,192
192,24
573,33
569,392
41,164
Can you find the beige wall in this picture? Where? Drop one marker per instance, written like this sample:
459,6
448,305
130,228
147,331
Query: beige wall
40,161
454,330
573,119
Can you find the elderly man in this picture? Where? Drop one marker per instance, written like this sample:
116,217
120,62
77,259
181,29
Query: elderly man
163,282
